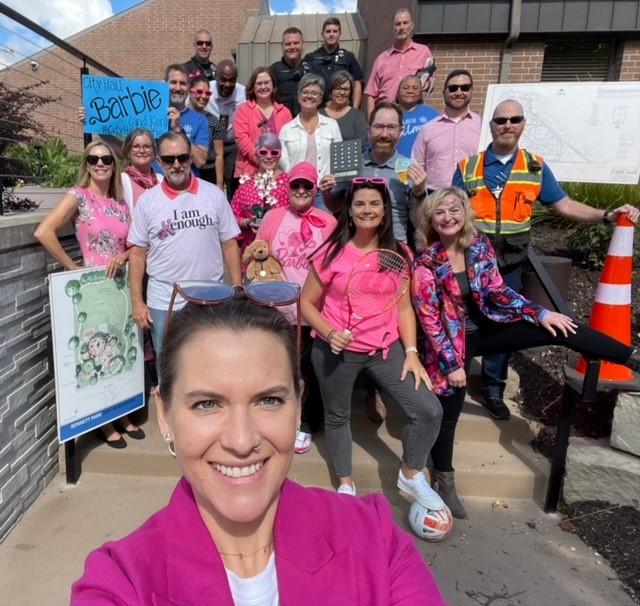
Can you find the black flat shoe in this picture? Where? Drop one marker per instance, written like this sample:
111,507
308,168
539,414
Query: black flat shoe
119,444
136,434
497,408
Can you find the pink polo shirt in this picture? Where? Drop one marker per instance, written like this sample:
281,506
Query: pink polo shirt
442,143
391,66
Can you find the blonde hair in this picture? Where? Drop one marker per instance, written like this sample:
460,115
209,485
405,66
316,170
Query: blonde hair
425,233
115,184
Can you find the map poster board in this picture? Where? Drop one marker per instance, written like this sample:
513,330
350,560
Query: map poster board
115,106
588,132
97,350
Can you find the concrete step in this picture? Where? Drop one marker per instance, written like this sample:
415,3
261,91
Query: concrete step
492,459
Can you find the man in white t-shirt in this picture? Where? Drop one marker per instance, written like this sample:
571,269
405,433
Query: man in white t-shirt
182,229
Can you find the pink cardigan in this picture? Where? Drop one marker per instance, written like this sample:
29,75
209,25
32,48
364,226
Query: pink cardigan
330,550
247,130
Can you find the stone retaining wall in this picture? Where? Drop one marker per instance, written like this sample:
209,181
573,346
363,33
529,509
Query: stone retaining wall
28,441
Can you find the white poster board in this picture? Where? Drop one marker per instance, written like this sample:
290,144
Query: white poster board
587,131
97,350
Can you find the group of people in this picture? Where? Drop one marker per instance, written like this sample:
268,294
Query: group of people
238,394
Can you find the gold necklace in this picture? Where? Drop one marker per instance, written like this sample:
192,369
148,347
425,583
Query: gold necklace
264,549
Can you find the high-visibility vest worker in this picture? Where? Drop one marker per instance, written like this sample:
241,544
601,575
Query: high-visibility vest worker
504,214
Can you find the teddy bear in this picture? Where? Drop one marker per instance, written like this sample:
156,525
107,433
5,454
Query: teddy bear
260,264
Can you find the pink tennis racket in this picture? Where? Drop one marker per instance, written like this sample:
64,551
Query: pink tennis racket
376,283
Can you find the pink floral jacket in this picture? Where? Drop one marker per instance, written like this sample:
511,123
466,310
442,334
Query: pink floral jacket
440,306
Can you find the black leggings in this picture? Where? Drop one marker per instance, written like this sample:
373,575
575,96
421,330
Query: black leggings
497,337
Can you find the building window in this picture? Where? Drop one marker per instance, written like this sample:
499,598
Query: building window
579,60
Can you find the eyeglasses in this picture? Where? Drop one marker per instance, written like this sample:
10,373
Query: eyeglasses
202,92
143,147
310,96
266,294
181,158
342,89
203,43
379,128
500,120
274,153
106,160
454,88
298,183
377,182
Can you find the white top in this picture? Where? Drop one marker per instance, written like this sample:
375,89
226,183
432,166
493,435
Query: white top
226,106
294,143
127,189
261,590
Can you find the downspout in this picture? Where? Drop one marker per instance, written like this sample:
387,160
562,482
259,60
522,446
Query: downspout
512,38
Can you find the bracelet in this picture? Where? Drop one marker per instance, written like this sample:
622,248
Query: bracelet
329,335
606,215
411,350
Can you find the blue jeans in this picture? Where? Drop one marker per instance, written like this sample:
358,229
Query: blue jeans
496,366
159,317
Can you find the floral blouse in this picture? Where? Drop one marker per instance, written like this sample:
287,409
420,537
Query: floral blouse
102,226
440,305
254,197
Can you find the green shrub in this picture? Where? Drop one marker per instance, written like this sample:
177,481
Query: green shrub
591,242
48,161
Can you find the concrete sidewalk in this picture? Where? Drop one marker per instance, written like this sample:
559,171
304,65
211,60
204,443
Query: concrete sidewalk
501,556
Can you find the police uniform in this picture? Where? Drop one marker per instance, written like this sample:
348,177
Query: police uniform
328,63
287,79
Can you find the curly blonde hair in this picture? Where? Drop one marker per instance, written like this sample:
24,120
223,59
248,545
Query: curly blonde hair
425,233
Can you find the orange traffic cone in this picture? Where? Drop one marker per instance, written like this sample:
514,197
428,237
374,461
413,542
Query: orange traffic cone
611,313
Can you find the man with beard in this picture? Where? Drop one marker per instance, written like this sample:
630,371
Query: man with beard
452,136
503,183
404,58
330,58
183,119
182,229
289,70
227,95
200,66
381,160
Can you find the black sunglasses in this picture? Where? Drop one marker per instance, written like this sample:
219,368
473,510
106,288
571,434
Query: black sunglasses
203,43
106,160
500,120
298,183
182,158
266,294
454,88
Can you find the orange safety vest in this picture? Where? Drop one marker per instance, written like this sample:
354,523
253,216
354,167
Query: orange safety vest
506,217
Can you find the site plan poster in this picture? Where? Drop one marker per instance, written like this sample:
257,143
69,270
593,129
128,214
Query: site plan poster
97,350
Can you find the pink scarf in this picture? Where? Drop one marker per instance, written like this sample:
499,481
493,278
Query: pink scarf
308,219
146,181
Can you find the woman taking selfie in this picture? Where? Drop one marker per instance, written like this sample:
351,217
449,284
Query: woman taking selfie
466,310
101,219
236,532
383,345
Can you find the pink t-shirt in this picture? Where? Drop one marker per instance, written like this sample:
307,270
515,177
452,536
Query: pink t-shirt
281,229
102,226
370,335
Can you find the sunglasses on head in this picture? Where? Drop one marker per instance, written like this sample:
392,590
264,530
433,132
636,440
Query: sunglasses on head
106,160
298,183
201,92
454,88
181,158
500,120
376,182
203,43
274,153
267,294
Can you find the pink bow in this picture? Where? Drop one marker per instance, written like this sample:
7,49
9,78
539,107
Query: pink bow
308,220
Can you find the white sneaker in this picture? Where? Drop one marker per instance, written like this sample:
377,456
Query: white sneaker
419,489
347,489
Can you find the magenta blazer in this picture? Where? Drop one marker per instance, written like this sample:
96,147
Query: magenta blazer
330,550
246,126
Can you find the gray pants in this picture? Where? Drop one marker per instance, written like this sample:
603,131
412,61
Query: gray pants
337,375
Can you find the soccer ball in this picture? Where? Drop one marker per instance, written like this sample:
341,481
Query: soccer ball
430,524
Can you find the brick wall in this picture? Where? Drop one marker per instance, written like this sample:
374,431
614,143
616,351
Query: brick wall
630,66
28,441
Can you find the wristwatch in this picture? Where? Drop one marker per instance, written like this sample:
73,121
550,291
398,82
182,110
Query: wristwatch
606,215
421,196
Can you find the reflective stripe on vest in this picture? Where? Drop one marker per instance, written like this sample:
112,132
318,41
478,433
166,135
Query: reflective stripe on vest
516,200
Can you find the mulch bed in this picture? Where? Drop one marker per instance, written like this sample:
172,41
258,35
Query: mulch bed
614,532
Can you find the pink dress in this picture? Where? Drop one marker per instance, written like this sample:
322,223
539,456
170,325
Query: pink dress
258,191
102,226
